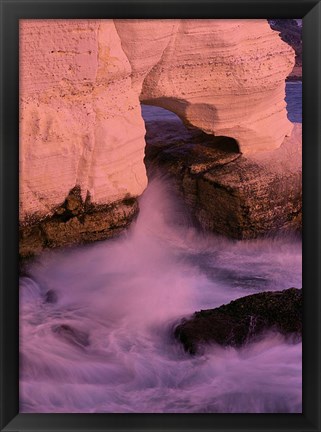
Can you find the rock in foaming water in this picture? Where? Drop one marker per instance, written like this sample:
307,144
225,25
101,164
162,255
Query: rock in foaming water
76,222
230,194
243,320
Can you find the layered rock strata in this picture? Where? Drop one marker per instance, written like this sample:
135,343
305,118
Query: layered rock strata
81,83
80,120
225,77
229,193
76,222
243,320
80,128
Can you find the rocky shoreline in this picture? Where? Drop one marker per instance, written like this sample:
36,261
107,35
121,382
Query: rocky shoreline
76,222
225,192
243,320
80,112
228,193
82,128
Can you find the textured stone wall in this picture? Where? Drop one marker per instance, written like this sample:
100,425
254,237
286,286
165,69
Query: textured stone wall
81,84
226,77
80,120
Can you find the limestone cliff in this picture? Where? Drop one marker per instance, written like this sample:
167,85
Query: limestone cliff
225,77
81,129
80,120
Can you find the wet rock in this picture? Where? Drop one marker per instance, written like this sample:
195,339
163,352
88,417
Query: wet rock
76,222
72,335
88,131
243,320
230,194
72,206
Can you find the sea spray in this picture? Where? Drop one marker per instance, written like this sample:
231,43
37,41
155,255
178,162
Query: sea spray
126,295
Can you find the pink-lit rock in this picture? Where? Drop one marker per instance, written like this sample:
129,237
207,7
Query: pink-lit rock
82,81
80,120
226,77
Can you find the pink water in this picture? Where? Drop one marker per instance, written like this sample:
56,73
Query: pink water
125,296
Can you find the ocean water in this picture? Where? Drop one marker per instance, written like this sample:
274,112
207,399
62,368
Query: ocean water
293,99
96,322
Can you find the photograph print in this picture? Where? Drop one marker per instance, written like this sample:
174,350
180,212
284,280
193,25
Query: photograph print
160,215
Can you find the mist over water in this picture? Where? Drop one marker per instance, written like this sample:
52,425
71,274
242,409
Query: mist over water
96,321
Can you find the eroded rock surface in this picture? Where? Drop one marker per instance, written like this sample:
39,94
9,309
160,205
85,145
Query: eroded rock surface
243,320
229,193
76,222
225,77
81,83
80,119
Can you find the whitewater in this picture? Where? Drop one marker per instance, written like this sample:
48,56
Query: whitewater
96,321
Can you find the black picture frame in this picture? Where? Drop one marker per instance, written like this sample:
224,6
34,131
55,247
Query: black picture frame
11,12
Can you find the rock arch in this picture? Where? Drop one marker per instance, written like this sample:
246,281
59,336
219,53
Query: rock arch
225,77
164,127
82,81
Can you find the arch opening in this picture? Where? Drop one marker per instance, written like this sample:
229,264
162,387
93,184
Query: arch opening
167,127
170,141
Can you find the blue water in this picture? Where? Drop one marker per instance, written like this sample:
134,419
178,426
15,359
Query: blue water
293,99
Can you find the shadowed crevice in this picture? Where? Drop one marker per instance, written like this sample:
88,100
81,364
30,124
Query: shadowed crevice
164,127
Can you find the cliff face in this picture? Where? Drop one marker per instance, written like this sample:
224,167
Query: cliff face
225,77
81,83
229,193
80,120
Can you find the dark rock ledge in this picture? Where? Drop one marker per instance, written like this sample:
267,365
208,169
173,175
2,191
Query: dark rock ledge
226,192
75,222
243,320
